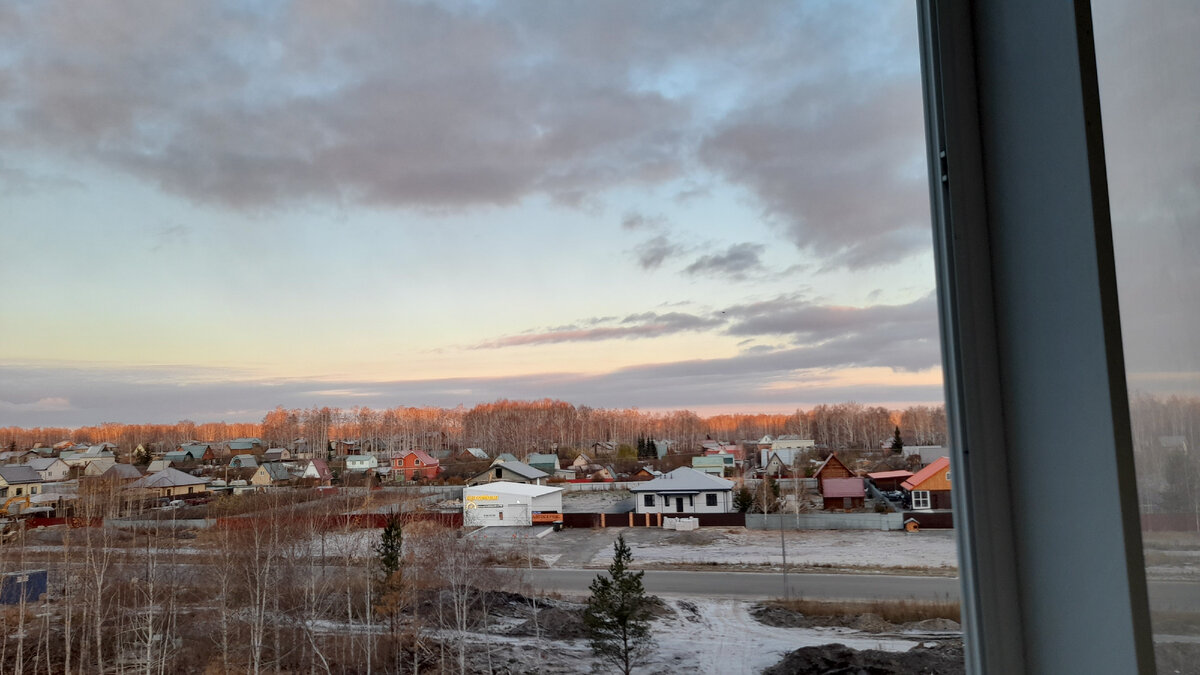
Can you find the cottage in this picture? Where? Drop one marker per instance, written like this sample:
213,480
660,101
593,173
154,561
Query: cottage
843,493
49,469
170,483
515,472
85,457
318,470
777,466
543,462
361,463
471,455
122,472
276,455
191,453
99,466
684,490
929,488
158,465
832,467
19,480
710,464
17,456
645,473
507,503
581,461
504,457
272,473
243,462
243,445
415,464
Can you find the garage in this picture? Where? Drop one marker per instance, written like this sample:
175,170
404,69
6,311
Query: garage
511,504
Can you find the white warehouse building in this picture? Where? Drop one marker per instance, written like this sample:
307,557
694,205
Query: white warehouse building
505,503
684,490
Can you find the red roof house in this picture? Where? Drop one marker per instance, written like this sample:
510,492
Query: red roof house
415,464
929,488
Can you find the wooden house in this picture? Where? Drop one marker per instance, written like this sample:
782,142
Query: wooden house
832,467
929,488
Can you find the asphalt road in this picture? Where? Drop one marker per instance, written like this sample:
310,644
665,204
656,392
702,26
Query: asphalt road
1164,595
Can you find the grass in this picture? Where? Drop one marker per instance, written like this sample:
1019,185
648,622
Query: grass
892,611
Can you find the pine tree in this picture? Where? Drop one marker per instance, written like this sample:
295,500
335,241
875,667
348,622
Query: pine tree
897,444
618,612
652,449
390,547
390,590
743,500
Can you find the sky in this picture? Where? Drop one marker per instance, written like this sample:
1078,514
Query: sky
210,209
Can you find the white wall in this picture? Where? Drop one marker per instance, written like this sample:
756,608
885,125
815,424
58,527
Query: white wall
698,503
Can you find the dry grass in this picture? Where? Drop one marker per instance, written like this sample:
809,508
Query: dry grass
892,611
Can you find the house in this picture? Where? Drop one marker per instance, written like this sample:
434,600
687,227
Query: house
504,457
49,469
734,450
582,461
84,457
344,447
122,472
605,447
158,465
645,473
414,465
710,464
170,483
276,455
99,466
317,470
361,463
684,490
929,488
927,454
832,467
471,455
17,456
516,472
243,462
889,480
777,466
507,503
191,453
19,480
245,445
843,493
790,457
543,462
272,473
792,442
604,473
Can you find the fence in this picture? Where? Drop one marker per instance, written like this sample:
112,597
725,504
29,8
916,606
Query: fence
1170,522
649,519
824,521
932,520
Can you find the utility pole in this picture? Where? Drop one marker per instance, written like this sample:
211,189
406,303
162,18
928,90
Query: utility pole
787,592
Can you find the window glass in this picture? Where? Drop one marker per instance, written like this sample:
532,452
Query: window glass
1148,61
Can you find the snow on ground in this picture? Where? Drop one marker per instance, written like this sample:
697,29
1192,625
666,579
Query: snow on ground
592,501
835,548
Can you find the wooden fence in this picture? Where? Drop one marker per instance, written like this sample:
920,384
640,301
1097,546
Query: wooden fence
650,519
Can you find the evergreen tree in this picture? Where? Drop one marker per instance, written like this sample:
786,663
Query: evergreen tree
617,616
652,449
390,591
743,500
897,444
641,446
390,548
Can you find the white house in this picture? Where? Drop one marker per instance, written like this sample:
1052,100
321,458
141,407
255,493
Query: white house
49,468
684,490
792,442
504,503
361,462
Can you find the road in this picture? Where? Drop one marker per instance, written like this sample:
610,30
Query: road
1164,595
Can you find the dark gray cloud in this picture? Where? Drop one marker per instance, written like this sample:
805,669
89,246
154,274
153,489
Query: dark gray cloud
736,262
634,220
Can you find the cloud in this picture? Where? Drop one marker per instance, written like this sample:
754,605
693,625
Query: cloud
736,262
652,253
634,220
634,326
42,405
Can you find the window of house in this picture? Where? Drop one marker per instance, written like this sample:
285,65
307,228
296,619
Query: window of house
710,499
18,492
648,500
691,500
920,499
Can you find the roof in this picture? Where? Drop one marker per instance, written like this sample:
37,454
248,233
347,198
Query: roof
504,457
684,479
421,455
244,461
276,471
540,458
158,465
844,487
885,475
42,463
942,464
831,458
320,467
168,477
510,488
522,469
19,473
477,452
123,471
709,460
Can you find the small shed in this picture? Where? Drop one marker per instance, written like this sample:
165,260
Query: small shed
512,504
889,480
843,493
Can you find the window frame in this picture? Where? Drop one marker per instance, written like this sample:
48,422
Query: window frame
710,499
1029,318
921,500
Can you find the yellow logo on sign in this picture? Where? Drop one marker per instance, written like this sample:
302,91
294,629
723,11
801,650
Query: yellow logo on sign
481,498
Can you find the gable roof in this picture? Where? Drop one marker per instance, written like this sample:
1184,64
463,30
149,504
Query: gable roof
19,473
476,452
510,488
244,461
942,464
42,463
831,458
122,471
423,456
522,469
684,479
540,458
320,467
275,471
168,477
885,475
504,457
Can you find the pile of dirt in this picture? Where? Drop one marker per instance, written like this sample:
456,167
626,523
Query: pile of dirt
690,538
933,625
871,623
781,617
938,659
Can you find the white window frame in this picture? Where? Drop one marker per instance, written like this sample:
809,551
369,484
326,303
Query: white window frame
1028,305
921,500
